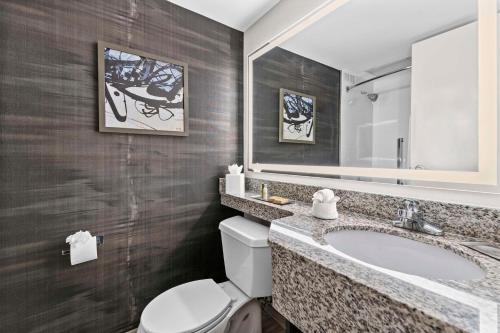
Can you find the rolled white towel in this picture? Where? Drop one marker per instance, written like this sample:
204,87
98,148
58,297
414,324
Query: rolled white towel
324,196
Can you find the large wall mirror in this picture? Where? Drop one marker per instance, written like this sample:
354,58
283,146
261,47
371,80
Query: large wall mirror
401,90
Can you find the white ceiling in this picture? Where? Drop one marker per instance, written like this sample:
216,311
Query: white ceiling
367,34
237,14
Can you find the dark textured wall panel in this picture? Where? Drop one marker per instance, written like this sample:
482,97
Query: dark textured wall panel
280,68
154,198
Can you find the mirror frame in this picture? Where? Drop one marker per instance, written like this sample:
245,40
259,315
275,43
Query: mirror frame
487,111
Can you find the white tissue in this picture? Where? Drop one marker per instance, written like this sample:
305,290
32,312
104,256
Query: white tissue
324,196
80,237
83,247
235,169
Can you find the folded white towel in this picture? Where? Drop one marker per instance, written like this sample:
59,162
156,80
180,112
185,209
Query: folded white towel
324,196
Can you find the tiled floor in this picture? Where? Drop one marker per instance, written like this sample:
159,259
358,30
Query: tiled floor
272,321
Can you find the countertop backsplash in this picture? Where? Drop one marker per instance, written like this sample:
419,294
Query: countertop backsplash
475,222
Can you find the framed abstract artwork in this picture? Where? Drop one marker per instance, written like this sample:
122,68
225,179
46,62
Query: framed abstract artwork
141,93
297,117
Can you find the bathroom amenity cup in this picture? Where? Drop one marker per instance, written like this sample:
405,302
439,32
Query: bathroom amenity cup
325,211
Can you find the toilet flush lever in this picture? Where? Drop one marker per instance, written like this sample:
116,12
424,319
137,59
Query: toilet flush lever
98,239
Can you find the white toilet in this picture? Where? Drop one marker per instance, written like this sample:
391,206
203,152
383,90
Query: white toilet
206,307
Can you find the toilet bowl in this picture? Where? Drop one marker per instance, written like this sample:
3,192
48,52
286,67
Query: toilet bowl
204,306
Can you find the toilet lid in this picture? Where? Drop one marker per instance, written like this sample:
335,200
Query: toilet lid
185,308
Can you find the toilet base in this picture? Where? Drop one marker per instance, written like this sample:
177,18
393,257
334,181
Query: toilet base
247,319
245,315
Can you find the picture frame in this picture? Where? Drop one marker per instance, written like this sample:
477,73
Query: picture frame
141,93
297,117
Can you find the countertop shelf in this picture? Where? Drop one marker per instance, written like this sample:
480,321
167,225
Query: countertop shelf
472,302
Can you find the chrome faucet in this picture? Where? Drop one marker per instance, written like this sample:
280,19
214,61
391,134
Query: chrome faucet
409,218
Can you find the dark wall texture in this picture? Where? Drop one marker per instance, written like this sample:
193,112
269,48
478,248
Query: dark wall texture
154,198
280,68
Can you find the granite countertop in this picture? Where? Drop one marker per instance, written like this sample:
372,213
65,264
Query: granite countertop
473,306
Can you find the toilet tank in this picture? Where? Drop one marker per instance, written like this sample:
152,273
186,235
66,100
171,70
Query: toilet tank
247,256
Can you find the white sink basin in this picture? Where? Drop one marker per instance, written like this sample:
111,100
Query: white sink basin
404,255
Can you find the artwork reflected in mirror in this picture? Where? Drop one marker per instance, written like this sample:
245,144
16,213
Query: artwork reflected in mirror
281,69
297,117
141,93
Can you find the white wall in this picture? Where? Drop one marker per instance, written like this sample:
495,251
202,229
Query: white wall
444,104
391,116
286,14
369,130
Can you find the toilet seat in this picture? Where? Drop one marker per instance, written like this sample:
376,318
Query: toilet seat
195,306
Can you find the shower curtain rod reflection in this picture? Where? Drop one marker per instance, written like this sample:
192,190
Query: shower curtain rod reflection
376,78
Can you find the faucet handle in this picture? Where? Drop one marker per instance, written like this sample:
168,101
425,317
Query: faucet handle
409,219
402,213
411,205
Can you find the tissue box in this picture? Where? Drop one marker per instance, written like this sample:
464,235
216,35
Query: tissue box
235,184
